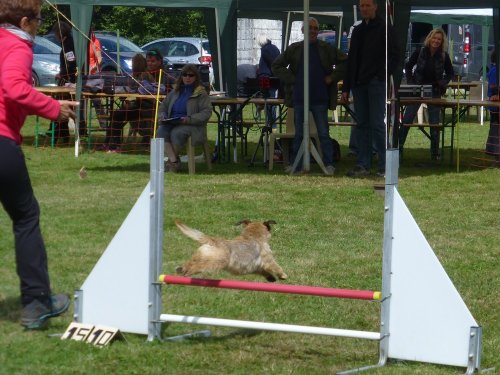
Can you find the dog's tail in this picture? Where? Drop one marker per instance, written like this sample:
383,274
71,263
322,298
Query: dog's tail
193,233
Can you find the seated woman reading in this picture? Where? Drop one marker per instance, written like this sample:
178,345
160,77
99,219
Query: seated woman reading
184,112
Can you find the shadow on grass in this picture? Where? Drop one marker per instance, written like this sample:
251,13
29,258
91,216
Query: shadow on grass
415,162
137,167
10,309
239,333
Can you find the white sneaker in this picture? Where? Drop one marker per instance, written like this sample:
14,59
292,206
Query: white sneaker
329,170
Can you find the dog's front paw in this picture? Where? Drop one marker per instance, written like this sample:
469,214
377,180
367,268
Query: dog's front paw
271,278
283,276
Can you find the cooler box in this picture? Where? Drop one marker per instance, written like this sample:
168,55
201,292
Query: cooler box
415,91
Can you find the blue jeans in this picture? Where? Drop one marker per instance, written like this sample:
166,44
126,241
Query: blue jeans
409,117
320,115
369,105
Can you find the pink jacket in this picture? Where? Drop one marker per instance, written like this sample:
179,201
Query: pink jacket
18,98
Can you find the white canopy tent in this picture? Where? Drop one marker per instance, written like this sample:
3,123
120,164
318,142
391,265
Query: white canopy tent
480,16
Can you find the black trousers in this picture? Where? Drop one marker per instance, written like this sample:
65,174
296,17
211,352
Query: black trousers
16,195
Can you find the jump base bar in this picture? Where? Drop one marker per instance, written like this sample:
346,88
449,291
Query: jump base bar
269,326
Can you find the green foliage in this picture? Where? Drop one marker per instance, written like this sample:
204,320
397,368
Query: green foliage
142,25
51,16
139,24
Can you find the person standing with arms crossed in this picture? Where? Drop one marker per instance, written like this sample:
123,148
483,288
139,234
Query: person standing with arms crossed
323,78
429,65
19,22
367,77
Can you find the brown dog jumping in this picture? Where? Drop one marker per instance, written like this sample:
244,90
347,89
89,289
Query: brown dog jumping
246,254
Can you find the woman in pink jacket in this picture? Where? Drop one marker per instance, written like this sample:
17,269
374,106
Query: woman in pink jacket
19,22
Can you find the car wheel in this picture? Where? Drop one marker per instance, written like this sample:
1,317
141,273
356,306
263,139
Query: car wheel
35,81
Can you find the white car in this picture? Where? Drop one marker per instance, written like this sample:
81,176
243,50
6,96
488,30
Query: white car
45,62
185,50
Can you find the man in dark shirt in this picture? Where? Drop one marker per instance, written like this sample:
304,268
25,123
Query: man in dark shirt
67,73
367,78
67,56
323,78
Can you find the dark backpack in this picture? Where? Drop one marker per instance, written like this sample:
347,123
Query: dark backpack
336,149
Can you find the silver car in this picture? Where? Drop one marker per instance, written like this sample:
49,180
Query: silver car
45,62
183,50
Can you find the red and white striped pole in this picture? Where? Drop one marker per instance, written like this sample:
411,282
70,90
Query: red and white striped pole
276,288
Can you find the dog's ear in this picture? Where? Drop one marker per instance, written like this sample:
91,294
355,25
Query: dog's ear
268,224
245,222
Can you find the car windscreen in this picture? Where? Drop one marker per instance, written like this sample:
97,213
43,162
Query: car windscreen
206,46
109,45
45,46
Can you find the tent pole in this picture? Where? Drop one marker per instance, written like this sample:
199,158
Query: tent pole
305,138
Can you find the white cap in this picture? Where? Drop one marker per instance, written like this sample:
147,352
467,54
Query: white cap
262,40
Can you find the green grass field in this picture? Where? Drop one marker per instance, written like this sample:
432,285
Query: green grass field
329,232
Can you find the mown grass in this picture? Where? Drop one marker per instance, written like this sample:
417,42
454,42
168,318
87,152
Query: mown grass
329,233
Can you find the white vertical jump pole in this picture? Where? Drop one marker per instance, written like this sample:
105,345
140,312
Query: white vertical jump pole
423,317
391,183
156,236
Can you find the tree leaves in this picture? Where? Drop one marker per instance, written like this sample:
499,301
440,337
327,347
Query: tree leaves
139,24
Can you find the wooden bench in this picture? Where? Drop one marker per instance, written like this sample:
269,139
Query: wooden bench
423,125
341,123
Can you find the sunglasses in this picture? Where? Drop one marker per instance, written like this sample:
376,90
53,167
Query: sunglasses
191,75
152,53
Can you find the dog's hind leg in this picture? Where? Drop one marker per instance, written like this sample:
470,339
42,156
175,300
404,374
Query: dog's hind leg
193,267
202,261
